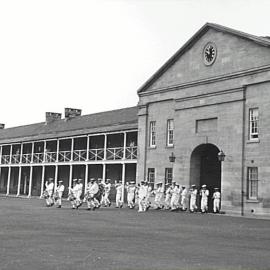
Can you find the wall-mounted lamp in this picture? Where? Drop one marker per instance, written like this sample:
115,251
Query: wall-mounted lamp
221,156
172,157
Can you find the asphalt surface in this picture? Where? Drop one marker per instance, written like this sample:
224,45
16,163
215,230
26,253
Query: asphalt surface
35,237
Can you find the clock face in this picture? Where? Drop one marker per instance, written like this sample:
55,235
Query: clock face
209,54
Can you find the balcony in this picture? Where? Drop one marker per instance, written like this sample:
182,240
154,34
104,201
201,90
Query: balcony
38,157
26,158
115,153
79,155
15,159
96,154
5,159
64,156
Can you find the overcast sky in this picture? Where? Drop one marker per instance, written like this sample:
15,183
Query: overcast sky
94,55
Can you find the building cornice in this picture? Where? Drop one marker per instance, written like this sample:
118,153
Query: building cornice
215,79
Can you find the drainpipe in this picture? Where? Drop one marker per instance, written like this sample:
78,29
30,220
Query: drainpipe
243,152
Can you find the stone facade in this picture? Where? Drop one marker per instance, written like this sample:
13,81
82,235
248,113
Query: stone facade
210,106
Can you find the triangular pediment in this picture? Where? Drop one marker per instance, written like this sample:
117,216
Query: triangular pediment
235,51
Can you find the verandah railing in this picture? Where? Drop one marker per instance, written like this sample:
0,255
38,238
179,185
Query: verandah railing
115,153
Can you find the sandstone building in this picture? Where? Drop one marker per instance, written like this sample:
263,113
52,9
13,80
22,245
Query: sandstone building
202,118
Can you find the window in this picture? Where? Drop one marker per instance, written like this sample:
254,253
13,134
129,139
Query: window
151,176
253,123
152,133
170,128
168,175
252,184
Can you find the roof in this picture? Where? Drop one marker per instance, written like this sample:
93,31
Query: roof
109,121
264,41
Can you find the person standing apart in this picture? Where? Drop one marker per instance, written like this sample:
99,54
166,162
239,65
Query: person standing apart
59,193
216,203
193,199
118,198
49,190
184,198
204,193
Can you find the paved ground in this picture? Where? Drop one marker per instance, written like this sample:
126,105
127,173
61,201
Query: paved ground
35,237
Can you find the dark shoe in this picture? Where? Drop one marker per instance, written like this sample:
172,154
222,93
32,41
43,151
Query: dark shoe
59,206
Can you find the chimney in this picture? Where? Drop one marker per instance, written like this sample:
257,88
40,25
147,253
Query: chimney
72,113
51,116
2,126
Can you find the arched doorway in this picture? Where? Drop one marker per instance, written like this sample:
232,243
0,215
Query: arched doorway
205,168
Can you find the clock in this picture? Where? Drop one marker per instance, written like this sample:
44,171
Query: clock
209,53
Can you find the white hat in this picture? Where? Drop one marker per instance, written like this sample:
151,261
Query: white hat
193,185
203,186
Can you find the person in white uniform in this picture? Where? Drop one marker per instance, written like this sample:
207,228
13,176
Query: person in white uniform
168,195
59,193
91,193
148,195
175,198
79,193
159,192
204,193
184,194
118,197
193,199
142,193
216,202
131,189
107,190
49,192
72,196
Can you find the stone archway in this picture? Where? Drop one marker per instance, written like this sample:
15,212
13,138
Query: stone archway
205,168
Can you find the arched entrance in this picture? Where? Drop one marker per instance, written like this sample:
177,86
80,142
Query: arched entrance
205,168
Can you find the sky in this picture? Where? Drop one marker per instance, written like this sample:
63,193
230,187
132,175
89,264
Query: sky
95,55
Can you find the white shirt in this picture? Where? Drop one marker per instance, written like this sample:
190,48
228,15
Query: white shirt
204,193
216,195
193,194
93,188
142,192
119,188
49,187
60,188
184,192
107,187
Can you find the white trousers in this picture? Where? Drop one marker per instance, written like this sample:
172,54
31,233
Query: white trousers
142,204
167,201
174,201
184,203
216,205
118,200
204,204
59,201
158,200
192,204
130,199
93,202
106,200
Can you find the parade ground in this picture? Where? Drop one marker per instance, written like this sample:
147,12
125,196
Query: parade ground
35,237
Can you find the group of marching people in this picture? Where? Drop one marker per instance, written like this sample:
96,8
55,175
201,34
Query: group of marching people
169,197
